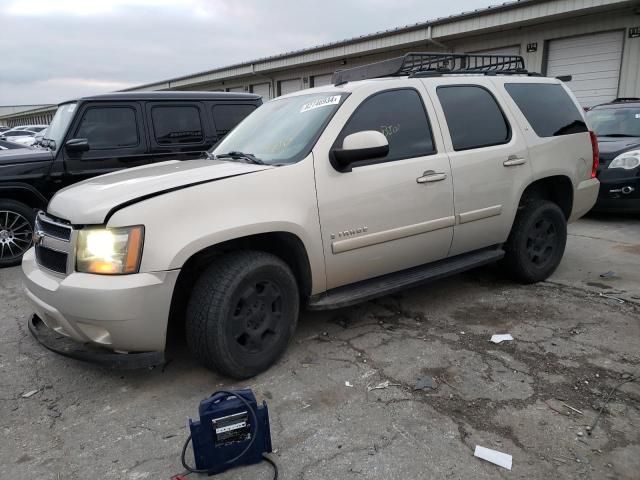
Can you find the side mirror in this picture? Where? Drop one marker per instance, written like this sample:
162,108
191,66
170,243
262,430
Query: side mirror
359,146
77,145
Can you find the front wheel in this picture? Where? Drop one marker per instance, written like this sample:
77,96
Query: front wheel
537,241
16,231
242,313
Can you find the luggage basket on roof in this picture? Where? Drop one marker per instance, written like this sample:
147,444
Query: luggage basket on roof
416,64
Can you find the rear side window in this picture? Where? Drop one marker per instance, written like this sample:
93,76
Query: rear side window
401,117
548,108
474,117
228,116
109,127
177,124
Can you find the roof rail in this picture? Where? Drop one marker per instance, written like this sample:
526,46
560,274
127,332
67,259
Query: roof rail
416,64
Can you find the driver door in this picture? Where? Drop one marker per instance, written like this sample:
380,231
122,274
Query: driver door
116,140
390,213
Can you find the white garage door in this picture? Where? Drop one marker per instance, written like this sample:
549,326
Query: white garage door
512,50
290,86
320,80
235,89
593,61
262,89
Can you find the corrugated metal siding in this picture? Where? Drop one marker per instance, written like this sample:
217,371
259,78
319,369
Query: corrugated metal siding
513,15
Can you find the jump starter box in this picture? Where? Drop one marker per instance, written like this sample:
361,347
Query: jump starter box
226,428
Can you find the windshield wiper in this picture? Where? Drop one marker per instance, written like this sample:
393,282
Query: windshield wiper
235,155
616,135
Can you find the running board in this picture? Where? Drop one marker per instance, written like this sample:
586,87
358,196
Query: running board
393,282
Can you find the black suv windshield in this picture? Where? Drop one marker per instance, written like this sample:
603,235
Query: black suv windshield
282,130
615,122
60,122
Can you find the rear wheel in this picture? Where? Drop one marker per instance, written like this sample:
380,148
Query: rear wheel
537,241
16,231
242,313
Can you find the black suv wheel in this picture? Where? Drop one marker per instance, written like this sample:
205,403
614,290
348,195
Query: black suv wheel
242,313
16,231
537,241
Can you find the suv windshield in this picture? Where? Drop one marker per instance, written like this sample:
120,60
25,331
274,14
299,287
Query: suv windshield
615,122
282,130
59,124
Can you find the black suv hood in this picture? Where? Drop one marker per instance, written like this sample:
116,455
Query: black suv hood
611,147
25,155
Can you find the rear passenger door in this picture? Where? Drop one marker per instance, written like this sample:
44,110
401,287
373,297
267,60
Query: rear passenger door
489,161
116,137
178,130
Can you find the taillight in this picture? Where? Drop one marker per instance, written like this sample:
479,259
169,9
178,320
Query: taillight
596,154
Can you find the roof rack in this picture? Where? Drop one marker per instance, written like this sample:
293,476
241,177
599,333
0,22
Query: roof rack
416,64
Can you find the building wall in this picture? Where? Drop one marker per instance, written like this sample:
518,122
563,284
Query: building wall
540,34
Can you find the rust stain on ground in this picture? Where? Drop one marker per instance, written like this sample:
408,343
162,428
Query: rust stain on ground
635,249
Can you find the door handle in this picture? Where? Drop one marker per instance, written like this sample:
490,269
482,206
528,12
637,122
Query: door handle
514,160
431,176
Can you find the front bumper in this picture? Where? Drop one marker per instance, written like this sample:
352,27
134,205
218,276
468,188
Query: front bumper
84,351
619,192
122,314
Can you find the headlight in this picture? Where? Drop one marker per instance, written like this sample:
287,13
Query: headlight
110,251
627,160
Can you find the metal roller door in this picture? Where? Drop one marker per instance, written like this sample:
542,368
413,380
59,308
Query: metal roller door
235,89
593,61
289,86
320,80
262,89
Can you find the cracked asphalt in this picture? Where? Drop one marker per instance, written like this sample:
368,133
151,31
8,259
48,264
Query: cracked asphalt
571,346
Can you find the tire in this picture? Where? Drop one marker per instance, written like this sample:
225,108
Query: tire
537,241
242,313
16,231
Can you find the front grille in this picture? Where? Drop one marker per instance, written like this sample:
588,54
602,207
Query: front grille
53,228
52,259
53,239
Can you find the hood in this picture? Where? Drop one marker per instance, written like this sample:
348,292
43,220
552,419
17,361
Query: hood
611,147
24,155
93,201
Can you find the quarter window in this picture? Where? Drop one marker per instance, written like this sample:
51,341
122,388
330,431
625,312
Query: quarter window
228,116
401,117
109,127
548,108
474,117
177,124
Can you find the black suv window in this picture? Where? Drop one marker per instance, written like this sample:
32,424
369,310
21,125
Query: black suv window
548,108
228,116
474,117
177,124
109,127
401,117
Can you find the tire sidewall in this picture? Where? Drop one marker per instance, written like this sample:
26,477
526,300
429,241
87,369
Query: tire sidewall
28,213
538,211
214,300
289,317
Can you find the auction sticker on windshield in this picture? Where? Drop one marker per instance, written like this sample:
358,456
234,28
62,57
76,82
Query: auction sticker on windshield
320,102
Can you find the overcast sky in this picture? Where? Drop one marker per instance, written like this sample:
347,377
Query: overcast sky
53,50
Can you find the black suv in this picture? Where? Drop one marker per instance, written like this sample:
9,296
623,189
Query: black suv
100,134
617,125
